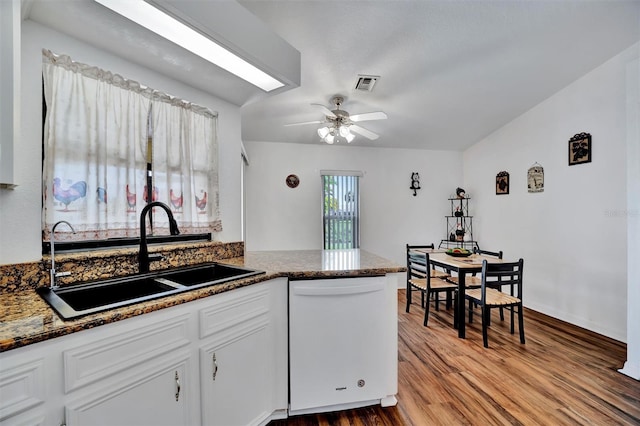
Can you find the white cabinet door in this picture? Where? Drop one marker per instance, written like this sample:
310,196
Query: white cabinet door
236,369
235,381
134,372
27,376
10,28
155,395
22,391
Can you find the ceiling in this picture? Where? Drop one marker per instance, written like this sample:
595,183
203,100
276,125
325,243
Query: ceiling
451,72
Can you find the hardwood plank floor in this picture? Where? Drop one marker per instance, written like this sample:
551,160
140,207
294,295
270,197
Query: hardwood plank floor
563,375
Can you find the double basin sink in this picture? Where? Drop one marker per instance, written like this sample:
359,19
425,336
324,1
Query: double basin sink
88,298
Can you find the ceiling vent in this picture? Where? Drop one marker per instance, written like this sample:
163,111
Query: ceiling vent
366,82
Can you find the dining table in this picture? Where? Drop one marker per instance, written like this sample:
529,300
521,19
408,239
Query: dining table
462,266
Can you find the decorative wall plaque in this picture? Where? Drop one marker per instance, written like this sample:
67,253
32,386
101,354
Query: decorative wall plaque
502,183
535,178
580,149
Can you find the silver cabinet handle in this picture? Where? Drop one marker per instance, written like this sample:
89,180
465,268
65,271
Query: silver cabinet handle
215,367
177,386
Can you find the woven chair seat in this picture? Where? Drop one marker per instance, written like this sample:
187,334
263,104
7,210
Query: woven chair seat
436,284
469,282
493,297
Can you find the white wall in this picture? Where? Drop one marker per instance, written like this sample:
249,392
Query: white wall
20,209
573,236
281,218
632,365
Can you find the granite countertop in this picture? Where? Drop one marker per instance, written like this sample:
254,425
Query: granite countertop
26,318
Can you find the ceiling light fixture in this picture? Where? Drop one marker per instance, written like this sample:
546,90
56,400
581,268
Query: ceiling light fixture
184,36
334,133
339,125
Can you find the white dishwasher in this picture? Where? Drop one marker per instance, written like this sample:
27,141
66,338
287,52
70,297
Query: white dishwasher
342,343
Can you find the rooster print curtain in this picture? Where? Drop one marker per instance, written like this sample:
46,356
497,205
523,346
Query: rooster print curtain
100,132
182,164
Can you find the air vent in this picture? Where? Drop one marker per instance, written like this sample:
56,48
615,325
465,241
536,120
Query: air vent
366,82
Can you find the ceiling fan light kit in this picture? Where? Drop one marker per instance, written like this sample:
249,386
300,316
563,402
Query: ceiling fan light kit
339,125
333,134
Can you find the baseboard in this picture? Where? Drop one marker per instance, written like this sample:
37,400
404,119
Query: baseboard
577,321
631,369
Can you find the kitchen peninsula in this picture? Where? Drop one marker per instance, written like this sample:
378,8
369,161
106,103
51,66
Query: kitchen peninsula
124,357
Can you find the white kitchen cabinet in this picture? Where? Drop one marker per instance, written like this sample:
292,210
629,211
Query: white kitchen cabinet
235,388
136,372
10,87
22,391
243,358
129,372
152,395
29,376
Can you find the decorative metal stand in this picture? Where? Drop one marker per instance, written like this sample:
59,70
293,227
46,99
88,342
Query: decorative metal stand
459,226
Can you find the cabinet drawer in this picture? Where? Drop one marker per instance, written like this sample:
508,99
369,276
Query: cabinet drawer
233,308
107,356
21,387
155,394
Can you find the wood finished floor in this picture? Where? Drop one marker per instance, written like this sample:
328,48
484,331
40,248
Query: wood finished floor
563,375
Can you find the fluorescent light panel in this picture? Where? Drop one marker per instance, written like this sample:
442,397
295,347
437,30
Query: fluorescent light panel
173,30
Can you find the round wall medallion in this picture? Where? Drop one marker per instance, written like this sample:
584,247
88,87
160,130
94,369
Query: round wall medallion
293,181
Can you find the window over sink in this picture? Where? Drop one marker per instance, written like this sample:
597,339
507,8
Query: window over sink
112,145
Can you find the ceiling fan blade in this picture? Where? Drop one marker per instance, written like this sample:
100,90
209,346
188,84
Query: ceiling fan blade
364,132
306,122
377,115
326,110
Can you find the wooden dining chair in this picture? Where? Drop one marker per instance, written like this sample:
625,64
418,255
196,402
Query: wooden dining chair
422,277
487,297
435,273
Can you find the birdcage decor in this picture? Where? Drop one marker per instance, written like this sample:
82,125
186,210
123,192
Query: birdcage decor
535,178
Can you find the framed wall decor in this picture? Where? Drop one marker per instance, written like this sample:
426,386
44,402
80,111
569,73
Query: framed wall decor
502,183
535,178
580,149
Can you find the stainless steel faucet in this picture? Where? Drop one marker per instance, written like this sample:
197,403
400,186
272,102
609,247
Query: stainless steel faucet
52,272
143,253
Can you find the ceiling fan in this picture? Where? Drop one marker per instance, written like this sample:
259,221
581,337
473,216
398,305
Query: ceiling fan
339,124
